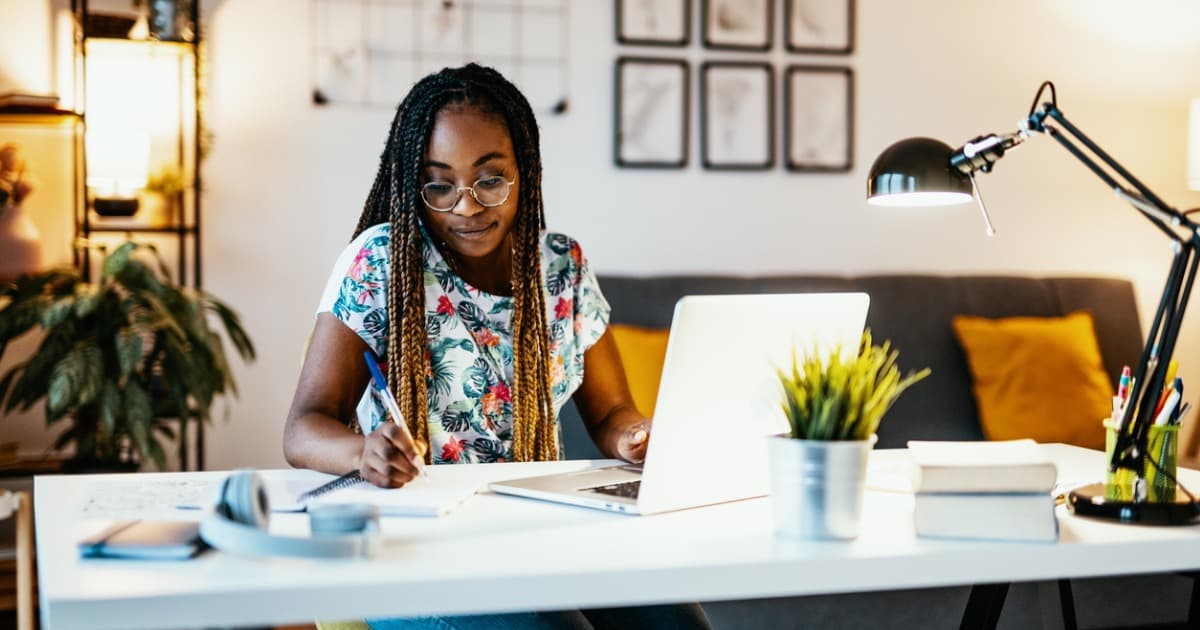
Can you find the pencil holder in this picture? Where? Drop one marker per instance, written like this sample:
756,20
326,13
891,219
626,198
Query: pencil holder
1162,445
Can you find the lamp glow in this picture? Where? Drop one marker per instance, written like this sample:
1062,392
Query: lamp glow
919,199
1194,147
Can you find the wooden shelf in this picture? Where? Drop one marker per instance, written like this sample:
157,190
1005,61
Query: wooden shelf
140,229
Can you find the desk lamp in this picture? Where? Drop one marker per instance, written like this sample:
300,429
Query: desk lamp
928,172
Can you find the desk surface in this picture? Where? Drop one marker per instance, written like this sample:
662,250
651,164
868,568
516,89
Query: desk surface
498,553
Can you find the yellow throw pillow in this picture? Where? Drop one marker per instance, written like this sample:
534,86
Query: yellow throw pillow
642,351
1038,377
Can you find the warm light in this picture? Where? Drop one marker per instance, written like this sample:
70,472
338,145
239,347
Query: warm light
1194,147
133,111
118,160
914,199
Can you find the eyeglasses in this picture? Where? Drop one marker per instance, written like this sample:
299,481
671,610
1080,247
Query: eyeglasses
488,191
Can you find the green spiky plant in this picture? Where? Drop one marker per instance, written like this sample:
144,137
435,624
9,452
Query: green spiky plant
120,357
834,398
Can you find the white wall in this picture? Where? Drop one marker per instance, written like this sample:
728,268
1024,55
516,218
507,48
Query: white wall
285,181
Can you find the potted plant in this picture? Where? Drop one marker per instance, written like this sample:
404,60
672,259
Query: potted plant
834,404
120,357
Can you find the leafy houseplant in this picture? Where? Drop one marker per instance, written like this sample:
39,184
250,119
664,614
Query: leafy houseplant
834,405
119,356
833,398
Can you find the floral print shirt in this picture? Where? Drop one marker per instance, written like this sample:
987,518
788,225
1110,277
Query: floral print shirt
469,339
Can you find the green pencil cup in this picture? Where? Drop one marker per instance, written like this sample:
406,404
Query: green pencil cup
1162,445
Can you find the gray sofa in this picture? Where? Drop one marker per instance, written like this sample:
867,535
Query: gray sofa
914,312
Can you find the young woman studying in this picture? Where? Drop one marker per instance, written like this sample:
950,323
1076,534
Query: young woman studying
484,322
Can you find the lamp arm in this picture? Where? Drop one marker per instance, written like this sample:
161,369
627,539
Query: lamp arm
1133,431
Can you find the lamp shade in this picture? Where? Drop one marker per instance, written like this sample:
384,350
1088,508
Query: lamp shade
916,172
1194,147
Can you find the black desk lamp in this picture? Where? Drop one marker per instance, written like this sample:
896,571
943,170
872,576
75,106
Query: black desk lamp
927,172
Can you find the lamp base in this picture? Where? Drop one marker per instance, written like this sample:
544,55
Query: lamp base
115,206
1092,501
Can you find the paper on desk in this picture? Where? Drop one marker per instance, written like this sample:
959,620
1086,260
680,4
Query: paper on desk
420,497
129,499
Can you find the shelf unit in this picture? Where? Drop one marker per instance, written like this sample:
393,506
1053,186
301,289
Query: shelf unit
178,62
72,121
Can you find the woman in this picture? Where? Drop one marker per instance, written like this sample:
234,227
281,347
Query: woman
486,323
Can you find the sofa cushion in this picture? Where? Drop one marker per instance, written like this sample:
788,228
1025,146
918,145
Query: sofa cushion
1037,377
642,353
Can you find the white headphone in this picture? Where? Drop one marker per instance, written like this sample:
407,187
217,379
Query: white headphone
238,524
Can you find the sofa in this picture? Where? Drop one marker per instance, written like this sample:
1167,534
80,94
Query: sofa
914,312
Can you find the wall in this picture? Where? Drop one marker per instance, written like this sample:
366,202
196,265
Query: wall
285,181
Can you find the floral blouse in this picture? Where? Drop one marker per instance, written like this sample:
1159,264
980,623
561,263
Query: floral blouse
469,339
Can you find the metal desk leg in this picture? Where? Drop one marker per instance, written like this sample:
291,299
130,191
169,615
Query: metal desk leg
984,606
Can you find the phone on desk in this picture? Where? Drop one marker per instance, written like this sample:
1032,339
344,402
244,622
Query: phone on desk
144,540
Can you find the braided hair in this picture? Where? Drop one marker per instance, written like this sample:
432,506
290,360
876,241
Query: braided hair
395,198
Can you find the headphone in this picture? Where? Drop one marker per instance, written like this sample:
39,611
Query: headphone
239,520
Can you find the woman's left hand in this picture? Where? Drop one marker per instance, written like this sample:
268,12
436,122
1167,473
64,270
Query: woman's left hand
631,443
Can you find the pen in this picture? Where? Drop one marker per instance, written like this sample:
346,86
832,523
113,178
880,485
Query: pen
1123,384
1183,412
1172,367
1168,409
389,401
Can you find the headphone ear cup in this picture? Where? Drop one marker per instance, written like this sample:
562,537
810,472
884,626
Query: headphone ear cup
239,523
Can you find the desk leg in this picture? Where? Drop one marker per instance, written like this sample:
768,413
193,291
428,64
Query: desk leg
1058,605
984,606
1194,609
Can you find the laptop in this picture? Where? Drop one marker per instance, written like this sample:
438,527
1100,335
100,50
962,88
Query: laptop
718,398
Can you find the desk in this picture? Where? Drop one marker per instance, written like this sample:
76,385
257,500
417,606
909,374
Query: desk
544,556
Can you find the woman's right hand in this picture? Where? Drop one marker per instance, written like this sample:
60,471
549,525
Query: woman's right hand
390,457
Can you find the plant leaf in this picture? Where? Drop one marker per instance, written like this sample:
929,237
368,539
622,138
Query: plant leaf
87,300
111,407
66,379
129,350
138,417
55,312
115,262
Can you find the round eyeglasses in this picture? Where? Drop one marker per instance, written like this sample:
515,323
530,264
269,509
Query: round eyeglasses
488,191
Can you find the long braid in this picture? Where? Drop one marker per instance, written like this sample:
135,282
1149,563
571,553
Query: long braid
395,198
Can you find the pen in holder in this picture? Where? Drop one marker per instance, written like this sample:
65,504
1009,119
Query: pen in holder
1163,447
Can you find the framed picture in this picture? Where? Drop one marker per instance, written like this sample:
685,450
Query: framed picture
654,22
738,24
737,115
651,122
819,26
818,118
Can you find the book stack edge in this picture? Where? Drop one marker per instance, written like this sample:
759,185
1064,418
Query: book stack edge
984,491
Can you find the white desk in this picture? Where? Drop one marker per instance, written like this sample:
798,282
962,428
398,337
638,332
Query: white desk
498,553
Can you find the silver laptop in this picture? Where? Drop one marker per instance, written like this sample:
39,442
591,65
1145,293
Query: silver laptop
719,396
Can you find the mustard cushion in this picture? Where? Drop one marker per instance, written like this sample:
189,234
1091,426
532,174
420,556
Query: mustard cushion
642,351
1038,377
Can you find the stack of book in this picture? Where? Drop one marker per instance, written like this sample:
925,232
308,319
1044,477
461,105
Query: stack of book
984,490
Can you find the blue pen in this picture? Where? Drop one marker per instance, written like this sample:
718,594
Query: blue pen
389,401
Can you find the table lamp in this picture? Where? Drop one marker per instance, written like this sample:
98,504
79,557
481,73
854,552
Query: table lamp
118,160
927,172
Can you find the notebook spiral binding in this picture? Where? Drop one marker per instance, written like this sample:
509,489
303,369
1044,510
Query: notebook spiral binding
346,480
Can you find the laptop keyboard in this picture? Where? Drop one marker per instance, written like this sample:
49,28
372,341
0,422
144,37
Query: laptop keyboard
627,489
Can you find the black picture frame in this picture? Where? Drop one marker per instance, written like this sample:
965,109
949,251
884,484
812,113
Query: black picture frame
645,133
822,27
638,25
818,118
737,99
757,21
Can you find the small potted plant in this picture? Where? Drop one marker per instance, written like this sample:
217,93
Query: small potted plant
834,404
119,357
